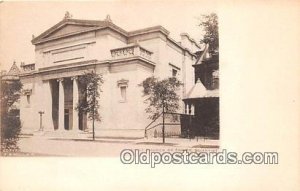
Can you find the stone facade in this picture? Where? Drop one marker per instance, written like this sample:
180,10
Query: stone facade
124,58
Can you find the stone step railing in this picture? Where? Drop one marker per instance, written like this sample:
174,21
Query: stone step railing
130,51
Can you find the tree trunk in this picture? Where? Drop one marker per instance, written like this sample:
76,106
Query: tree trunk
163,127
94,97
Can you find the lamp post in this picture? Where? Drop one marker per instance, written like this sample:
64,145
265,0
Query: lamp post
41,120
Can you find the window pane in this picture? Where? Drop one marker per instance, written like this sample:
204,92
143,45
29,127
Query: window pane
174,73
123,93
28,99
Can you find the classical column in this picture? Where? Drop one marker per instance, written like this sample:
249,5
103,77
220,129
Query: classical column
47,106
61,105
192,109
75,101
186,108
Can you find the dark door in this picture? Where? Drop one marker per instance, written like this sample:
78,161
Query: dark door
67,122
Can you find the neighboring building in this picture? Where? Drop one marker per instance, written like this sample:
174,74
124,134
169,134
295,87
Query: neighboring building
9,77
202,100
12,74
125,59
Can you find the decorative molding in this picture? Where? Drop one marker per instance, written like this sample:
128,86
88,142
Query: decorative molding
190,39
68,50
71,69
84,44
60,79
108,19
122,83
122,52
175,67
149,30
68,15
27,67
27,92
74,78
70,59
130,51
145,53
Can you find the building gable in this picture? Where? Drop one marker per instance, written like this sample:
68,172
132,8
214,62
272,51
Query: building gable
68,29
14,70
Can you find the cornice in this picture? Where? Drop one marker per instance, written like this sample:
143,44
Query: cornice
100,25
78,65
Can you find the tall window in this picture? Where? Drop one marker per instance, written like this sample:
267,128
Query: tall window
123,93
122,85
27,94
174,70
174,73
28,99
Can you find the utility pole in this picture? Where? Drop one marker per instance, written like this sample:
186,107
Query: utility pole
41,120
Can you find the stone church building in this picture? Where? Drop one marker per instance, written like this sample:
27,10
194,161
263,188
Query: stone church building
124,58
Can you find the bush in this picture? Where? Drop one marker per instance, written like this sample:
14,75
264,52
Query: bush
10,121
11,127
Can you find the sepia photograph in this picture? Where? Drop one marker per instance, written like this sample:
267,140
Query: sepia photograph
150,95
93,83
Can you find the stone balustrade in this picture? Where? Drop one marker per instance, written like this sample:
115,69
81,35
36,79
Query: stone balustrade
130,51
27,67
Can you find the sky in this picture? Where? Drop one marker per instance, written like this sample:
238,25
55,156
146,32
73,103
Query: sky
20,20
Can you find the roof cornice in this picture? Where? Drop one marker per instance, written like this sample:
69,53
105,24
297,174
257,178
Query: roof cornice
149,30
93,23
100,25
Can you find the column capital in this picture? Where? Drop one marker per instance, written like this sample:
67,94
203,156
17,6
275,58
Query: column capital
60,79
74,78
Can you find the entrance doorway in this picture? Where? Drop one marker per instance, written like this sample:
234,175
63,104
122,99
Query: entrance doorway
67,121
68,104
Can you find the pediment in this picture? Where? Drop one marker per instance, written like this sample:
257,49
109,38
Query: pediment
68,29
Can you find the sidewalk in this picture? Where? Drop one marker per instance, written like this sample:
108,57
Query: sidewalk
175,142
105,147
182,142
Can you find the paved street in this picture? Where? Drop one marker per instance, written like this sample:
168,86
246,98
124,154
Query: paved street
106,147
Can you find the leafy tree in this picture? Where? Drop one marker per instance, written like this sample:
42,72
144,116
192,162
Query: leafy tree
10,121
209,23
92,87
10,93
161,97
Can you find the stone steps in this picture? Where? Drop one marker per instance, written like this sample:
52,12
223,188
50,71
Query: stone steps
63,134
